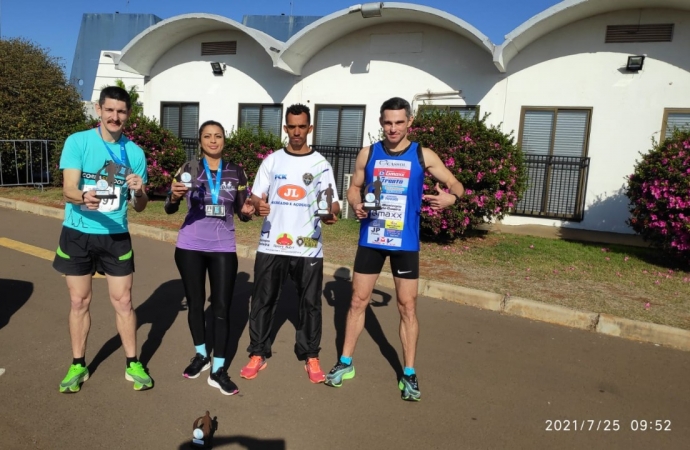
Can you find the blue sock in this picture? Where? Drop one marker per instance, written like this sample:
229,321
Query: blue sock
217,364
201,349
346,360
408,371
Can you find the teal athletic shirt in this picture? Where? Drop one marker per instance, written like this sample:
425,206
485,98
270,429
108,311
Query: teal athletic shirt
85,151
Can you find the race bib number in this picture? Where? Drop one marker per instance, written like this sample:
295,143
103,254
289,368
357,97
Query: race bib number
107,204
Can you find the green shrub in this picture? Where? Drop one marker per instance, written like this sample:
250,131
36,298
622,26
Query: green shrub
484,159
248,147
36,101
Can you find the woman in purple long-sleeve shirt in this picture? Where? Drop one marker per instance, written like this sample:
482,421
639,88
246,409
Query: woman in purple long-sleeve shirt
215,190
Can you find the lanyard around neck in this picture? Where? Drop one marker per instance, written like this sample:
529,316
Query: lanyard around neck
122,160
215,188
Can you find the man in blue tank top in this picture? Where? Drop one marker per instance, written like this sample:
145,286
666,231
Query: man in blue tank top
391,173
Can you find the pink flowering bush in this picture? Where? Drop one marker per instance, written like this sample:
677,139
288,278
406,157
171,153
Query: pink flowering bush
659,193
248,147
484,159
164,151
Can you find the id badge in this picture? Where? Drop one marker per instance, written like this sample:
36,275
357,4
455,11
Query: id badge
215,210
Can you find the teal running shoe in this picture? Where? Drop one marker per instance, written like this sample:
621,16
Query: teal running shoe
409,388
76,375
338,373
136,373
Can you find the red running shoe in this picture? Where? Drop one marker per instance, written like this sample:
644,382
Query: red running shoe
251,370
314,371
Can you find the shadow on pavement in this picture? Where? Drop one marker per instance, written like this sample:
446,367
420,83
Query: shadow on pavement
247,442
338,294
160,310
15,293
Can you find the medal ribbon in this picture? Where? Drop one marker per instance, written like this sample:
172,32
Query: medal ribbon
215,189
122,160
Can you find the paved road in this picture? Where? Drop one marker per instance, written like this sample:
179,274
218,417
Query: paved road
488,381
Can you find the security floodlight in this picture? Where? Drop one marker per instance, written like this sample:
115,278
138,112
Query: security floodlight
635,63
370,10
217,68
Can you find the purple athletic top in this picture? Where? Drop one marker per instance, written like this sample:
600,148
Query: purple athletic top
213,234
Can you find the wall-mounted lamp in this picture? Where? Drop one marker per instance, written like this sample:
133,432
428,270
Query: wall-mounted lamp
217,68
370,10
635,63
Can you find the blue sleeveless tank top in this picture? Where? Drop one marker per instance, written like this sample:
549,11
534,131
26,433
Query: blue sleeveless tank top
398,182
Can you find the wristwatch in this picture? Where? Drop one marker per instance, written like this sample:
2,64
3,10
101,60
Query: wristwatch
82,197
457,198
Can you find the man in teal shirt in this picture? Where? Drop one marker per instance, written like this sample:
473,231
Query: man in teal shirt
102,171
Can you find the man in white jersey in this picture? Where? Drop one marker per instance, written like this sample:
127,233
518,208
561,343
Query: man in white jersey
286,190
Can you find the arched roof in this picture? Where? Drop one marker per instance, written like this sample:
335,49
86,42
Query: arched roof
313,38
145,49
565,13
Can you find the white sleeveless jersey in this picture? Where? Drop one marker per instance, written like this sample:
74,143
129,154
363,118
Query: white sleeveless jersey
294,184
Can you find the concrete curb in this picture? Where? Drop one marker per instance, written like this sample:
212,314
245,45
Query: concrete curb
529,309
547,312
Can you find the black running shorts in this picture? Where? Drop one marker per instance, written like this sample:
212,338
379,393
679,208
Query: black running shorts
404,264
85,254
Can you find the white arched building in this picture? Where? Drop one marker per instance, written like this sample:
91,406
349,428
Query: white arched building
559,82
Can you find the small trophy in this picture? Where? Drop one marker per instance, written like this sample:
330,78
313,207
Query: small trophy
324,211
372,200
104,190
186,179
191,173
202,429
325,206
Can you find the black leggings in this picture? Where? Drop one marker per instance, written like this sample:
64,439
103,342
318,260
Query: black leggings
222,271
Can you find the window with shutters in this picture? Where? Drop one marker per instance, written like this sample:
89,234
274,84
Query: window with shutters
338,136
265,117
468,111
555,141
675,119
183,120
339,126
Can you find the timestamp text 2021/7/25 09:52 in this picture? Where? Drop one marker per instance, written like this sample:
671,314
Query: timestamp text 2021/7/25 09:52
607,425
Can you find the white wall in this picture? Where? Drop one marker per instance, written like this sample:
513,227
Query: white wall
364,68
574,67
183,75
107,74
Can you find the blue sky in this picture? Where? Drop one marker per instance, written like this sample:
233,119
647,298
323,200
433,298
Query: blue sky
55,24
